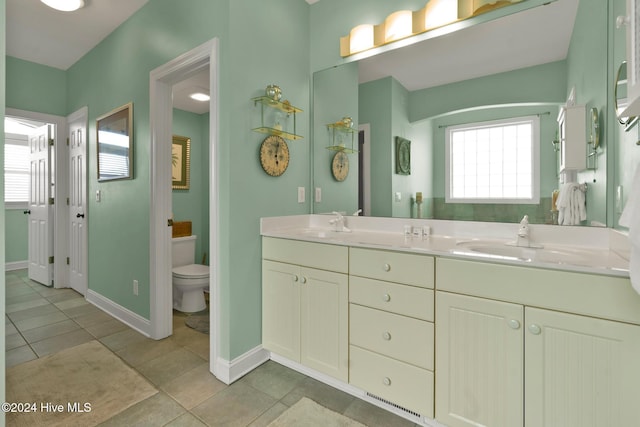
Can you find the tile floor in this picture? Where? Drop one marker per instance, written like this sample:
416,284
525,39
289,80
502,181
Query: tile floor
41,321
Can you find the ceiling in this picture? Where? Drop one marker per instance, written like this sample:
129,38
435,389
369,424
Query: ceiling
42,35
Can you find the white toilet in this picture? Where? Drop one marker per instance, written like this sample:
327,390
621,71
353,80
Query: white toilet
189,279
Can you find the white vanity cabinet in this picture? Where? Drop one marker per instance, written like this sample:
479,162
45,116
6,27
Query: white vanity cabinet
391,331
502,362
305,304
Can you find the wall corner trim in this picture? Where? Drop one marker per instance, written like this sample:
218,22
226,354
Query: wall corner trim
230,371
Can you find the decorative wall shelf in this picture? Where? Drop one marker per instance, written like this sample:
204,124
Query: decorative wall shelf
342,137
270,109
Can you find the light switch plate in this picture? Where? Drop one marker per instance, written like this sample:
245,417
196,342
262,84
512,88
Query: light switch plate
318,197
398,197
300,194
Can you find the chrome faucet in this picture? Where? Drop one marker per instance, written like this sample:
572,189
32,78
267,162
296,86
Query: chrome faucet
523,233
339,222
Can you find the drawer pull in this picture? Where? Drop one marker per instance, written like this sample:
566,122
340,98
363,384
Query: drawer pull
386,267
303,279
386,297
535,329
386,381
386,336
295,277
514,324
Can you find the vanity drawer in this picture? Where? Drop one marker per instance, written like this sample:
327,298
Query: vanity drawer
410,269
403,338
316,255
397,382
401,299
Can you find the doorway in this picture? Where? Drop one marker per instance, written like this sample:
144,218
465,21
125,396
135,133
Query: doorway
58,249
162,81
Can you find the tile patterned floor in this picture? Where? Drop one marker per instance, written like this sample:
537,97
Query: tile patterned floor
41,321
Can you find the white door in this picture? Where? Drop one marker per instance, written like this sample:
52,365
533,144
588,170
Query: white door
40,207
78,201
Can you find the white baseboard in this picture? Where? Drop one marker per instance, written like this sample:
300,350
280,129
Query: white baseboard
230,371
16,265
121,313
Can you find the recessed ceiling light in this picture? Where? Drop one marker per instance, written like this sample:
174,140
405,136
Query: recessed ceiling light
198,96
64,5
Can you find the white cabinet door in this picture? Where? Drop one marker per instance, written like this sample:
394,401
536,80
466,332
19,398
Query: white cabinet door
40,208
281,309
479,362
580,371
324,322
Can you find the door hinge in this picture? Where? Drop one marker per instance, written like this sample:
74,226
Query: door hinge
50,200
170,223
67,141
68,261
67,201
51,142
50,260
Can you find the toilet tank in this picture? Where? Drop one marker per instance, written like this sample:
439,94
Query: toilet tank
183,251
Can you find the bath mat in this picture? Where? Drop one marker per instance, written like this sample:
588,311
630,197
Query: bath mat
81,386
309,414
200,323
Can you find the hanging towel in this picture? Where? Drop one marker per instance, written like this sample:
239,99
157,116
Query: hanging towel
571,204
630,218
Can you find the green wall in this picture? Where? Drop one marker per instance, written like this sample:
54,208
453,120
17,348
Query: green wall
119,231
35,87
16,234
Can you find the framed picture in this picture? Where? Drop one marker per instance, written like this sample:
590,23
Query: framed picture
115,144
180,162
403,156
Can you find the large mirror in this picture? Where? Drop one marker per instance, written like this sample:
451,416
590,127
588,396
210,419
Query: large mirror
526,64
115,144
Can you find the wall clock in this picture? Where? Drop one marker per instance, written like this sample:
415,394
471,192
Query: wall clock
340,166
274,155
403,156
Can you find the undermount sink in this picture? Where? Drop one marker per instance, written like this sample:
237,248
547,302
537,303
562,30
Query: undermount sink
501,250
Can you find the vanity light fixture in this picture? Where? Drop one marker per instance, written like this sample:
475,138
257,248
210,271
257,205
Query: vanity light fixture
405,23
64,5
397,26
359,39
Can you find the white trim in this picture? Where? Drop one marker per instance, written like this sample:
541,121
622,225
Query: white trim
366,167
161,82
126,316
349,389
16,265
228,372
60,231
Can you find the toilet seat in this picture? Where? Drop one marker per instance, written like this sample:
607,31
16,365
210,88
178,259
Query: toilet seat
191,271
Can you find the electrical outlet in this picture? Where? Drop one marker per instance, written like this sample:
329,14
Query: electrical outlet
318,197
135,287
300,194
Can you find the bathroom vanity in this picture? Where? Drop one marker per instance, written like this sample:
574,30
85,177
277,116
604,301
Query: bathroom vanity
438,333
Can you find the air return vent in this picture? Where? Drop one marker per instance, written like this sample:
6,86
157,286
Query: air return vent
395,405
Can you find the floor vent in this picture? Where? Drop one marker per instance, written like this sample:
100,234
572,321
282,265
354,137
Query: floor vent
395,405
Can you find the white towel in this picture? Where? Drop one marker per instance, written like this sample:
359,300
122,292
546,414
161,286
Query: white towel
630,218
571,204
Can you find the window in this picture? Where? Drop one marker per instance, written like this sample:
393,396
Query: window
493,162
16,171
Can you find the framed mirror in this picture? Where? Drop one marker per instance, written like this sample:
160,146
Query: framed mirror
115,144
